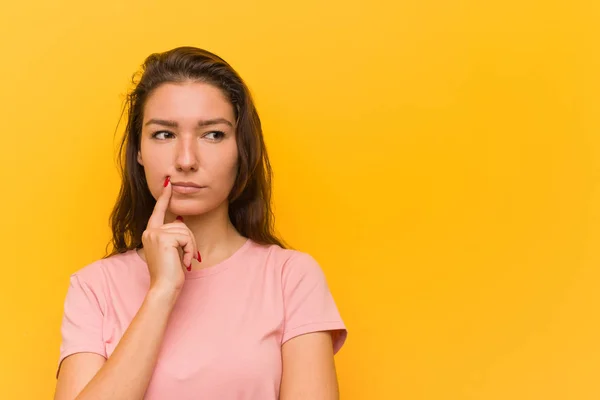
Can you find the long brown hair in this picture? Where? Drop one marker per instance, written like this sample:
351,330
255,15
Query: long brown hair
250,198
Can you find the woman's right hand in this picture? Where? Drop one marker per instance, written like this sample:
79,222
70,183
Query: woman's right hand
163,246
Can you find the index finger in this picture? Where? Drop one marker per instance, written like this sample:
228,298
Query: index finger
157,219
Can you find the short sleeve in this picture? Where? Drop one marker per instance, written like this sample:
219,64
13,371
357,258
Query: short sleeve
308,303
81,327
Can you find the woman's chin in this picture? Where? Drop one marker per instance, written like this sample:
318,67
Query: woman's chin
190,208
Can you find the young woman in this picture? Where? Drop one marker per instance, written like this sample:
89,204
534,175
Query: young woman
199,299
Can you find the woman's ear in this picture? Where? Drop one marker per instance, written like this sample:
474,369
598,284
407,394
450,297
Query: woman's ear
139,158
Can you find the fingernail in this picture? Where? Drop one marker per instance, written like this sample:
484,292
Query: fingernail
167,181
199,258
179,218
189,268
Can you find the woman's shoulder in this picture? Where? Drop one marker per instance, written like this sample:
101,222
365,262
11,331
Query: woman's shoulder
286,258
107,267
273,251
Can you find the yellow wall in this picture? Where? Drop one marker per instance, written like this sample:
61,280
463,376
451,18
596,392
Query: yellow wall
439,158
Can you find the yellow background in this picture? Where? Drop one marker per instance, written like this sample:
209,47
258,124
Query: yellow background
440,159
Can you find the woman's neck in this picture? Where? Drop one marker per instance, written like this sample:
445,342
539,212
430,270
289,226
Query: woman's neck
216,237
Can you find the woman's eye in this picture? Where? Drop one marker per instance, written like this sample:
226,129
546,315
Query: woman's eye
162,135
215,135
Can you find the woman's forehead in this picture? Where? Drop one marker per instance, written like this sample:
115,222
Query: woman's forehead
188,102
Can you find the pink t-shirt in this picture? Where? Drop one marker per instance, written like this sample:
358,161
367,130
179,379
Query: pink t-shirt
224,336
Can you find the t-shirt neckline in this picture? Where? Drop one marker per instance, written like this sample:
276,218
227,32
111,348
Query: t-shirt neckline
212,270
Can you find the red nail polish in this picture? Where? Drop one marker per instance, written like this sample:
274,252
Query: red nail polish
199,258
189,268
179,218
167,181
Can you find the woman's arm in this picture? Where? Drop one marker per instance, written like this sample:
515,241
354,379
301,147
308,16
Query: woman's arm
309,368
127,372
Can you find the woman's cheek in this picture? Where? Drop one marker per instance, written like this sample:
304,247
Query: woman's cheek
154,177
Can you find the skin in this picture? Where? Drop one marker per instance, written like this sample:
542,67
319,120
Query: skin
188,135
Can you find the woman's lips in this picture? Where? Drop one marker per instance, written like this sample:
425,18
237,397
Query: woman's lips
186,189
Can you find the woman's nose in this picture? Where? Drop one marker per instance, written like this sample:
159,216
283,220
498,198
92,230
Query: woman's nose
186,158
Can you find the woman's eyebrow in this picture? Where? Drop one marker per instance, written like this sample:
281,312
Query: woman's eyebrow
201,123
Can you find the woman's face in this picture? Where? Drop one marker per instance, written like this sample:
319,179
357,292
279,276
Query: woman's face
188,133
